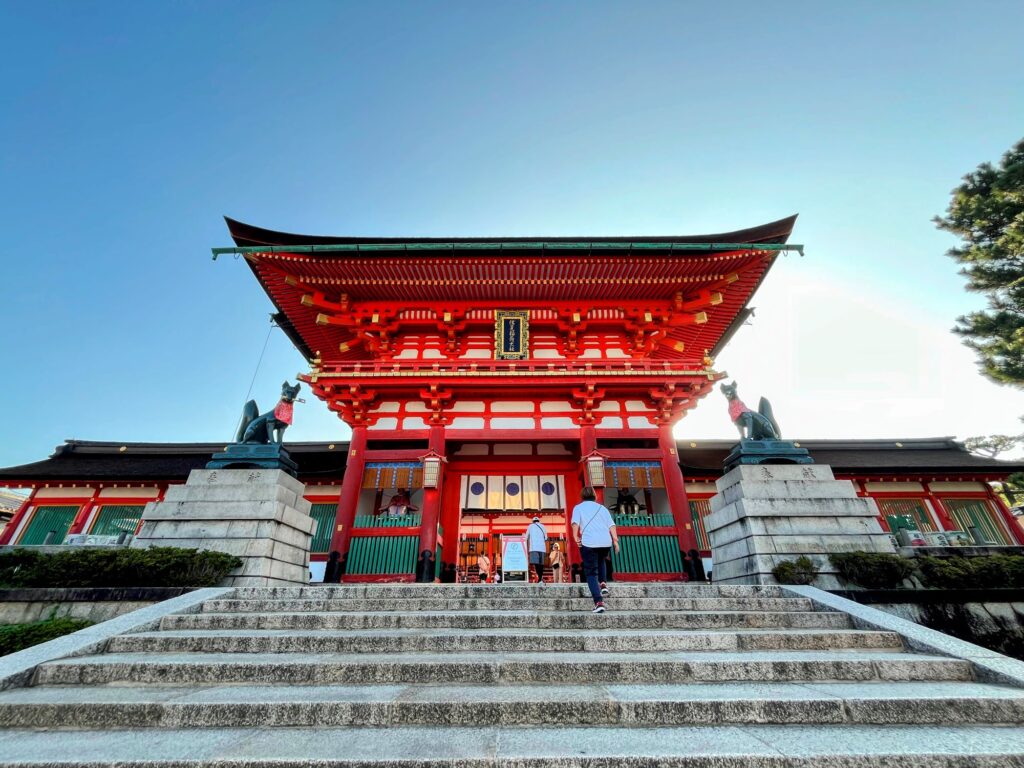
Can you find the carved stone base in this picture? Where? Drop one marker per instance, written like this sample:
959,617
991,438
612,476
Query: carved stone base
766,452
769,513
254,456
256,514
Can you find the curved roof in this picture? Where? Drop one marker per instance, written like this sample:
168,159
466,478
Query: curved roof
510,271
246,235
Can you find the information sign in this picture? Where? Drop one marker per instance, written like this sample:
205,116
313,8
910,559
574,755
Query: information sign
514,561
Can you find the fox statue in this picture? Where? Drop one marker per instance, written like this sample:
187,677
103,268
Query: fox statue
270,426
753,425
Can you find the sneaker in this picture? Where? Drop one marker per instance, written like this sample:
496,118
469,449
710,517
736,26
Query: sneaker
604,590
598,608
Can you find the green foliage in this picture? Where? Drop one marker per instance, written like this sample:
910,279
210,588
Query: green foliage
15,637
991,572
987,213
872,570
86,567
799,571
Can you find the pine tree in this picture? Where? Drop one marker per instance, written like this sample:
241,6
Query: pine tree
987,213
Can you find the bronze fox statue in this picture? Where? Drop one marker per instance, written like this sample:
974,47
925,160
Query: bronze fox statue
753,425
270,426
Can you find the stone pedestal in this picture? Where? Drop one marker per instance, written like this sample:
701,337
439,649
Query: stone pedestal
773,512
258,515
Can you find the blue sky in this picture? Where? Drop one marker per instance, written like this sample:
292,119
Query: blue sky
128,129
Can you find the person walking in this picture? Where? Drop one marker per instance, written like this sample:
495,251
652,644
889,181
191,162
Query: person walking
483,564
594,531
537,543
559,573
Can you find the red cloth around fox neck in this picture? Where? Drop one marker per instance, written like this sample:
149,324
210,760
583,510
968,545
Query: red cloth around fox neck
283,412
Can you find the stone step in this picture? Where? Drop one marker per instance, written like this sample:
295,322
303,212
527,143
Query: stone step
507,640
510,604
452,668
450,591
117,707
511,619
753,746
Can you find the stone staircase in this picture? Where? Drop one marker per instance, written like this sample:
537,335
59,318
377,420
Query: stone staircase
429,675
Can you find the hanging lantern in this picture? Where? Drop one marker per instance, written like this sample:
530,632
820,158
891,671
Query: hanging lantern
432,469
595,469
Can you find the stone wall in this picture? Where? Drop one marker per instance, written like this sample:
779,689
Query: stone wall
19,606
993,619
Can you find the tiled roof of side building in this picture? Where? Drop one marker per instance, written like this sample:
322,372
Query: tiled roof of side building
903,456
133,462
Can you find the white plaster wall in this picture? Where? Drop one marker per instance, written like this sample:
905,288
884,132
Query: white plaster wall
556,422
467,407
56,493
129,493
414,422
463,422
963,487
701,488
610,422
895,487
387,422
557,406
512,424
512,406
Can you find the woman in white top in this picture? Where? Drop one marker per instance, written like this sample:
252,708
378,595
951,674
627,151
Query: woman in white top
483,563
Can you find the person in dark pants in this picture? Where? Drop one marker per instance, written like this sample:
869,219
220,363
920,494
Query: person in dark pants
537,540
594,531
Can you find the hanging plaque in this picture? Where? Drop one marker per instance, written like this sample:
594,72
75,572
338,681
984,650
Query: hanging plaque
511,334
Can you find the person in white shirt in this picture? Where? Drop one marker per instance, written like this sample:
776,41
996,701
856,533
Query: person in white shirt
537,544
483,564
594,531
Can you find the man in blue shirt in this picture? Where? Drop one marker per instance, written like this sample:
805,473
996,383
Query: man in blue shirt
537,543
594,531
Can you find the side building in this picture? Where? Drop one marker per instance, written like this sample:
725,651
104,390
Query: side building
99,489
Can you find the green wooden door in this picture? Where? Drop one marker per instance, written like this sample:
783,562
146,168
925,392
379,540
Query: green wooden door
115,519
908,514
46,519
976,513
324,515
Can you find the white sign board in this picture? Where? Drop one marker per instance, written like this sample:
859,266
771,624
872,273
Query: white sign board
514,562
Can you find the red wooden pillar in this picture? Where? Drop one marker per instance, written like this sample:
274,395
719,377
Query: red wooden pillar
432,498
948,524
1016,532
675,488
83,513
12,526
572,494
351,485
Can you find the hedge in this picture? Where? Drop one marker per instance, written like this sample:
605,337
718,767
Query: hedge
799,571
872,570
991,572
16,637
87,567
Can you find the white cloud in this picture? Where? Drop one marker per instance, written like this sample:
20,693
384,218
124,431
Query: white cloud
854,360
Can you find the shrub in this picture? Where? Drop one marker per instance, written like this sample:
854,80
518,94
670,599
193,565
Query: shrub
989,572
15,637
799,571
872,570
86,567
